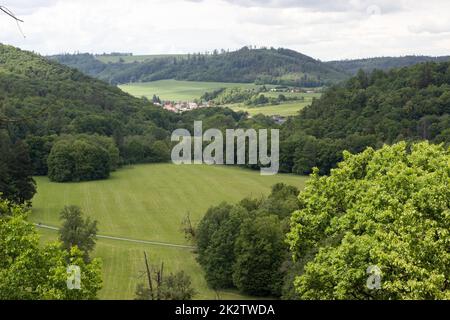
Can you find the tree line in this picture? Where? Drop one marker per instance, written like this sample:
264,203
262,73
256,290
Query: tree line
385,210
247,65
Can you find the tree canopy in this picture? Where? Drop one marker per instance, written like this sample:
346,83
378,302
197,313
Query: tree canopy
367,111
243,246
16,182
388,208
77,230
30,271
274,66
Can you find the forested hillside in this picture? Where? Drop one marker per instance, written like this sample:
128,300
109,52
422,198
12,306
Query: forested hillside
44,104
369,110
82,127
382,63
61,113
269,66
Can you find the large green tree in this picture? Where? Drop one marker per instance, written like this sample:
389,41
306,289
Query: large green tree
260,252
216,237
80,159
16,181
387,209
30,271
77,230
243,245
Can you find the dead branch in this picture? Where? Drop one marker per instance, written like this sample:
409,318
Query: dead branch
10,13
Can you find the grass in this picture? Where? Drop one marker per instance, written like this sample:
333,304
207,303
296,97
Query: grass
123,267
174,90
289,108
148,202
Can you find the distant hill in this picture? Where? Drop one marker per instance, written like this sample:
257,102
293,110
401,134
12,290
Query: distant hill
382,63
42,101
370,109
130,58
262,66
30,83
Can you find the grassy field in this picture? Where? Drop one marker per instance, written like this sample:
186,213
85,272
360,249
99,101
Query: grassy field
289,108
148,202
137,58
178,90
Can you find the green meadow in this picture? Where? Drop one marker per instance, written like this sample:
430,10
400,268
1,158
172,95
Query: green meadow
149,202
175,90
284,109
290,108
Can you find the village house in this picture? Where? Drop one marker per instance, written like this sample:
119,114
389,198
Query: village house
183,106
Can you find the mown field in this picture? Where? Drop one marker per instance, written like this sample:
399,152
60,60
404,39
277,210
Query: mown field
174,90
286,109
148,202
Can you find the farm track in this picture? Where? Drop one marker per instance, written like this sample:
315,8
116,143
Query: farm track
156,243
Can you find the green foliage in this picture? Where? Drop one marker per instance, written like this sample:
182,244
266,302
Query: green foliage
80,159
77,231
243,245
215,242
383,63
367,111
31,272
16,182
389,208
49,100
274,66
176,286
144,149
40,147
260,251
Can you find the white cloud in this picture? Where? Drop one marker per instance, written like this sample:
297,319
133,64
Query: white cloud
322,29
25,7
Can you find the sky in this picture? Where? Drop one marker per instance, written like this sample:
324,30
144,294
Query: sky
326,30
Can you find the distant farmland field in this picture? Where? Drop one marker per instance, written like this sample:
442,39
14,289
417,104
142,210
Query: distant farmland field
290,108
178,90
148,202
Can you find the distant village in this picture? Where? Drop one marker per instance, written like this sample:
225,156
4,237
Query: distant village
182,106
188,106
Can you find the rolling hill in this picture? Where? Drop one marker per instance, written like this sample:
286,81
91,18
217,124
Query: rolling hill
260,66
382,63
53,97
265,66
369,110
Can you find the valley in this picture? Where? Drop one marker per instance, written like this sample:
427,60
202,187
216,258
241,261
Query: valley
177,90
370,148
190,91
149,202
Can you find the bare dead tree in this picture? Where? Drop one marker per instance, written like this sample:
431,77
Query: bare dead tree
157,275
149,274
188,228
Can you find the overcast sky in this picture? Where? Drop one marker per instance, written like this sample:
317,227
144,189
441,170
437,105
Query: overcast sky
327,30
